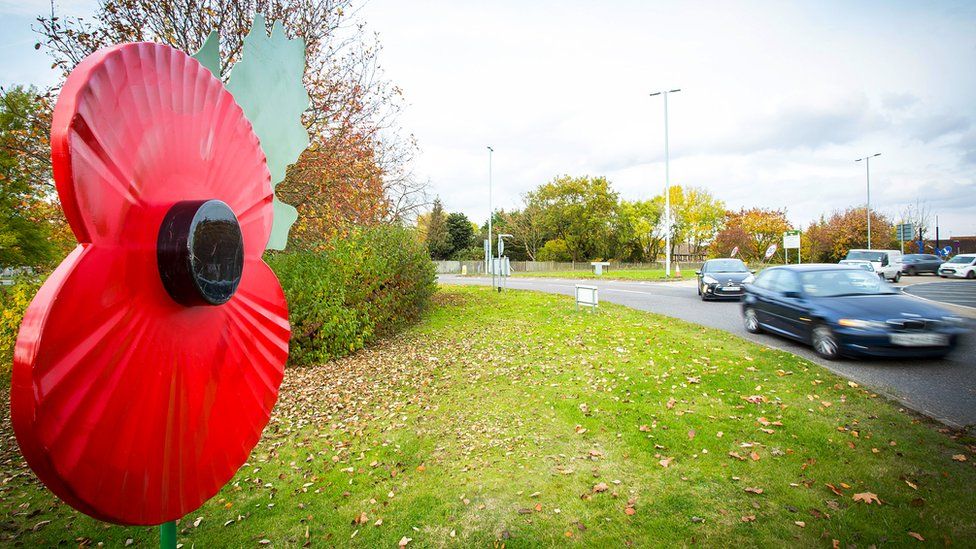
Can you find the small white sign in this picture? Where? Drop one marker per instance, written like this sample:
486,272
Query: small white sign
587,296
791,240
770,251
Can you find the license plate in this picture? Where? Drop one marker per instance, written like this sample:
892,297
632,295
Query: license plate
920,340
732,288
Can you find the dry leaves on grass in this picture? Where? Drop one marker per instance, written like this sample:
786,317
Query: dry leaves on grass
867,497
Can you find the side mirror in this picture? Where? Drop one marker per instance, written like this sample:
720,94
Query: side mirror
697,273
753,271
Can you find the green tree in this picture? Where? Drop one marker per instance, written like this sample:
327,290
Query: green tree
32,230
701,216
437,238
460,233
641,228
581,211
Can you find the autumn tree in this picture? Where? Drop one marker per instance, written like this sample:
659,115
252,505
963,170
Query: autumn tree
829,239
701,215
581,211
753,230
357,168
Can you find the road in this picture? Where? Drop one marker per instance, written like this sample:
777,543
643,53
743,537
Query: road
956,292
942,389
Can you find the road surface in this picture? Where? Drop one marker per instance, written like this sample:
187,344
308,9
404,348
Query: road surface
942,389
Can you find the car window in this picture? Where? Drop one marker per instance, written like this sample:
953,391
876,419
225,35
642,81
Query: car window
766,279
842,283
931,258
724,266
865,255
787,282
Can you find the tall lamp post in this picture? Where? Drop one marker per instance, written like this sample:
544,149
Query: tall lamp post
867,165
490,212
667,185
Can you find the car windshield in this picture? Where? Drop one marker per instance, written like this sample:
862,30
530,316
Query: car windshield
961,259
725,266
843,282
864,255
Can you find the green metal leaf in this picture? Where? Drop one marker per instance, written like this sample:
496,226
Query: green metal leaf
209,54
268,85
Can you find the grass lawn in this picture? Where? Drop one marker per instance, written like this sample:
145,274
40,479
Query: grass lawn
514,419
612,274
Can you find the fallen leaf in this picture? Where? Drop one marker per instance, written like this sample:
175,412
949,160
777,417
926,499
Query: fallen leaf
691,434
671,403
800,523
601,487
959,457
666,462
754,456
629,511
404,541
749,518
737,456
834,489
916,535
867,497
753,490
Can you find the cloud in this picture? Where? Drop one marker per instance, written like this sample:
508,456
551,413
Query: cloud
930,128
898,101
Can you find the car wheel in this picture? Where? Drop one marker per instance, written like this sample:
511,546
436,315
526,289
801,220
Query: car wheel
971,275
703,297
751,321
824,342
897,276
911,271
699,289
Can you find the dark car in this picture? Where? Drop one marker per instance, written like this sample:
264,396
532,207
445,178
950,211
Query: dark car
843,310
913,264
722,279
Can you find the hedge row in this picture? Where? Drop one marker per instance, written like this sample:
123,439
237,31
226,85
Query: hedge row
373,283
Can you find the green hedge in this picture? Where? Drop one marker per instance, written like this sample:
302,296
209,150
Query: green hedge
14,299
371,284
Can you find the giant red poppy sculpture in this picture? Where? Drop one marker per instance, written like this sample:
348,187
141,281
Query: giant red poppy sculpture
148,364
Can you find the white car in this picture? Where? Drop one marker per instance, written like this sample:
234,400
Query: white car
961,266
887,263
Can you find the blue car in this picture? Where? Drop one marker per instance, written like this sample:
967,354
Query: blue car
844,310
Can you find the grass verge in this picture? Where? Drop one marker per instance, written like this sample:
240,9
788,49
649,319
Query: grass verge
513,418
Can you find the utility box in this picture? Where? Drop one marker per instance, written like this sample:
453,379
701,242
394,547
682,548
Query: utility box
598,267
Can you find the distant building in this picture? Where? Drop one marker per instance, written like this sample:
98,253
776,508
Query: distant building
960,245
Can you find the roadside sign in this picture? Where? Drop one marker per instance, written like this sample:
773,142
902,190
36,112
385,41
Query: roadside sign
770,251
946,251
791,240
501,246
734,251
906,231
587,296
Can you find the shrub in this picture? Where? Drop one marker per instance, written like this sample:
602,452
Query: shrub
14,299
370,284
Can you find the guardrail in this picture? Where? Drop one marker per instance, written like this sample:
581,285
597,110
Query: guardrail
478,267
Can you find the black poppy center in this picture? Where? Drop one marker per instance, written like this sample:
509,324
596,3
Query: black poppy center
200,252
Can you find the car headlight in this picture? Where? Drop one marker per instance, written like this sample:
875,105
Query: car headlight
707,279
862,324
748,279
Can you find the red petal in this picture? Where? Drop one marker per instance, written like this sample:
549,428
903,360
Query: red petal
135,409
141,126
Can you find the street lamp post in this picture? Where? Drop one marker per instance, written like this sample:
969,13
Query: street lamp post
867,165
667,185
490,212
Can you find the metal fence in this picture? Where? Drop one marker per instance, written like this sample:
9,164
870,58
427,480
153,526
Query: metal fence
478,267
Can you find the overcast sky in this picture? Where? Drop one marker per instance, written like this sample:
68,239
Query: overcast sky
777,100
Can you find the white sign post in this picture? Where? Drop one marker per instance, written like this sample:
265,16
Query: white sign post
791,241
587,296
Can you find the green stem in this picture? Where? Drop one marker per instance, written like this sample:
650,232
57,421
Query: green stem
167,535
